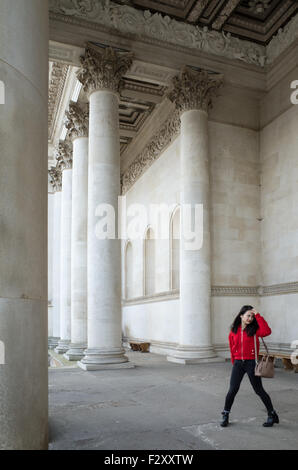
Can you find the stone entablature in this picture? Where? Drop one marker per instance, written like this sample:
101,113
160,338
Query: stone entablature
156,27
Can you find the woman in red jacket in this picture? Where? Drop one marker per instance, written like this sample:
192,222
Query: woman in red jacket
241,339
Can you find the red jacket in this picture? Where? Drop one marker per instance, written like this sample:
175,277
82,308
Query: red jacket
242,346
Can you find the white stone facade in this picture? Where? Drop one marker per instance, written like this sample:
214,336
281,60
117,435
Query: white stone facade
172,114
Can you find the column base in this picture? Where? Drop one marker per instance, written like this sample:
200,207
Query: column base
123,365
76,352
194,355
101,359
63,346
53,342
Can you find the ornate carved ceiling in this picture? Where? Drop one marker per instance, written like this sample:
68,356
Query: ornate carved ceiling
138,100
254,20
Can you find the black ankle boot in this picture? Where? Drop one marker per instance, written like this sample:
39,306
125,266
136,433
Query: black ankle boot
272,418
225,419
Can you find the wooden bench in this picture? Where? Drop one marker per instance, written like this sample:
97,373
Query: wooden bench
139,346
285,357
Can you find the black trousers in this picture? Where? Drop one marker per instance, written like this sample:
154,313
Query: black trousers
239,369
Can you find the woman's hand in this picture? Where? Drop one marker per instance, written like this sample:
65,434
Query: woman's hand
254,311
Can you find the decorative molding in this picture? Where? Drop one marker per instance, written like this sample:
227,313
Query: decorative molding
64,155
65,53
225,13
158,297
167,133
222,291
276,289
280,289
140,24
77,120
259,6
234,291
56,85
103,69
197,10
282,40
193,89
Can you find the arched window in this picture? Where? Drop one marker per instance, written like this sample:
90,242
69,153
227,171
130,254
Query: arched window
149,265
128,271
175,249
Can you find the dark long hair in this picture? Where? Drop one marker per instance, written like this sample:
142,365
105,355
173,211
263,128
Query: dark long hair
251,328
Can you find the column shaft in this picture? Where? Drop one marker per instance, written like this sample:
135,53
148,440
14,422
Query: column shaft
65,267
23,209
56,267
51,199
195,275
192,93
79,250
104,268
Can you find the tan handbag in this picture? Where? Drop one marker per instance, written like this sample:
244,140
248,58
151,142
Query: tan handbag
264,368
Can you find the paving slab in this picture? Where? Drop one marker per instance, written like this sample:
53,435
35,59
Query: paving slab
159,405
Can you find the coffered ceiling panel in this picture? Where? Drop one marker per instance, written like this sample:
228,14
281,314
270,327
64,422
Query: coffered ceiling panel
254,20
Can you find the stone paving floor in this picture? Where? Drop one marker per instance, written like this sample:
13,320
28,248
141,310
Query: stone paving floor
160,405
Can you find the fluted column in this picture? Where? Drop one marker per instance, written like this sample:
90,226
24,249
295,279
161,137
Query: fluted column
64,162
192,93
101,74
78,124
56,181
23,219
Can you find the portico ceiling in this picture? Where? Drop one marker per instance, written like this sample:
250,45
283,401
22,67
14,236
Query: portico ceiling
254,20
138,100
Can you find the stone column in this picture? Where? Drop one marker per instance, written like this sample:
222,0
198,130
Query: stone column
64,160
192,94
51,196
23,220
78,125
101,74
56,181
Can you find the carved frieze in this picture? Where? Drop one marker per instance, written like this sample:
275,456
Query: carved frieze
157,27
283,39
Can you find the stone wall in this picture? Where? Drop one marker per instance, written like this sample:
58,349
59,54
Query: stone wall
279,202
235,209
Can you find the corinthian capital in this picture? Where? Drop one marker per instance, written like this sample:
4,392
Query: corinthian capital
64,155
193,89
103,69
55,177
77,120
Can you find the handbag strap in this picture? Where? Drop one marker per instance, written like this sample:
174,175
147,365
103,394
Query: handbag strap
255,339
265,346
